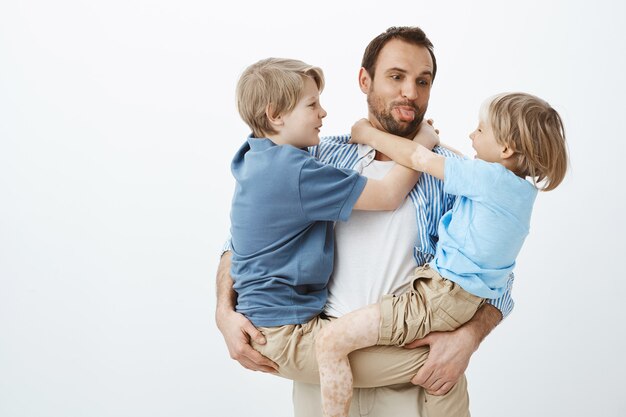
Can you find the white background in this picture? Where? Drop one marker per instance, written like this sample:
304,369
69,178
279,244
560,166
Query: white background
117,126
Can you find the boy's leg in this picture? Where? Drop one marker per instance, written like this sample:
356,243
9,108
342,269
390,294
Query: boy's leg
353,331
404,400
292,348
433,304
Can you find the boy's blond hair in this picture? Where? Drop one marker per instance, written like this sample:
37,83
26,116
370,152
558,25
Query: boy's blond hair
534,131
272,86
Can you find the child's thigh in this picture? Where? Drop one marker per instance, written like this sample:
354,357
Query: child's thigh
292,347
378,366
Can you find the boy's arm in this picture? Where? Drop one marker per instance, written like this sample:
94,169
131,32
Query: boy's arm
390,192
235,327
411,154
451,149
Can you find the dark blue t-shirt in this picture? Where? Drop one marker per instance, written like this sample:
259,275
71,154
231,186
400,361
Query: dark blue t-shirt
282,218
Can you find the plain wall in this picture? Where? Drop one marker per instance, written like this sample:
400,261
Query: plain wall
117,127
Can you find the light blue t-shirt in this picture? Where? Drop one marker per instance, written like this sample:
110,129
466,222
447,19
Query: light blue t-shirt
282,219
480,238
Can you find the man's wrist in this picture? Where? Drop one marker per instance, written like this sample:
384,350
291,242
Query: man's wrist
221,315
484,321
471,334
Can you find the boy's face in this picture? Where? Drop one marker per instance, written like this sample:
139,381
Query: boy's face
301,127
398,94
484,143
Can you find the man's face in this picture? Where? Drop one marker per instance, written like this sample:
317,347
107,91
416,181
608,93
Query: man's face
398,95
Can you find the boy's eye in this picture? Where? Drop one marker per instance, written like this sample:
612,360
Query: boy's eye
395,77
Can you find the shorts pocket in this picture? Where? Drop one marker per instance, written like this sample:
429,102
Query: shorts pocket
277,341
444,322
455,310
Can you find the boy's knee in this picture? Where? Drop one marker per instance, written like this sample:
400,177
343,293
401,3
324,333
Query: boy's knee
324,341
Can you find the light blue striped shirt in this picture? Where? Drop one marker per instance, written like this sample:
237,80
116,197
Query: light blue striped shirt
428,196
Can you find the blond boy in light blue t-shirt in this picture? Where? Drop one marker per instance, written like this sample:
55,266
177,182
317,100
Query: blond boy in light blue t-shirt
519,136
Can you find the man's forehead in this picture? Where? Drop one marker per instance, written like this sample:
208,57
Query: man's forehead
401,55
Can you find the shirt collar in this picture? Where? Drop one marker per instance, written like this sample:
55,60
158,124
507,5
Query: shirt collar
259,144
365,150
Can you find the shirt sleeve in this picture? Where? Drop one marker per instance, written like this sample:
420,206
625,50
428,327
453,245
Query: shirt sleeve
328,193
505,303
227,247
470,178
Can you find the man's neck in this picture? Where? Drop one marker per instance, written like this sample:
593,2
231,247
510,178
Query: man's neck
379,156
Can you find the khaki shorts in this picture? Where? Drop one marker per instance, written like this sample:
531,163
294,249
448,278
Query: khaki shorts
403,400
433,304
292,347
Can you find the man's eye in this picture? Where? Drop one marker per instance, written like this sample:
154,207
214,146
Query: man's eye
395,77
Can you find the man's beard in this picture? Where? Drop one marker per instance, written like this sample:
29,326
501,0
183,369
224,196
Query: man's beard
386,120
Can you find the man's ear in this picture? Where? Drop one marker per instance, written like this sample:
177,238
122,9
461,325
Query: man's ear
365,81
275,120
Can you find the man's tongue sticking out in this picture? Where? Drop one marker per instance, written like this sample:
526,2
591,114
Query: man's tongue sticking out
405,113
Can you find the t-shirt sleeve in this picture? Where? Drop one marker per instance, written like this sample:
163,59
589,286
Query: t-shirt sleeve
470,178
328,193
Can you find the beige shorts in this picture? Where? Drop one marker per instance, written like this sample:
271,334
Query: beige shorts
403,400
433,304
292,347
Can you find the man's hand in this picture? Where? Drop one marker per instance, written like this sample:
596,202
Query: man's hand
238,331
449,356
235,327
450,352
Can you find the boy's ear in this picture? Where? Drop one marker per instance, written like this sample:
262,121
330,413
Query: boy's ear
365,81
275,120
507,152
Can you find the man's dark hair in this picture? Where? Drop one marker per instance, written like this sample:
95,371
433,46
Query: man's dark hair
410,34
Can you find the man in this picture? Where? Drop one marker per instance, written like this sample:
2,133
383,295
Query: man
376,251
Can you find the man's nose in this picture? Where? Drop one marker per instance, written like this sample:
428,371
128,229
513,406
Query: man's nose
409,91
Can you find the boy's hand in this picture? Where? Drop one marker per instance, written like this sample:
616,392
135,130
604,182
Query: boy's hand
427,135
360,131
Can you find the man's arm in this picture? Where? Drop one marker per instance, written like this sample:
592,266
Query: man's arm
450,352
235,327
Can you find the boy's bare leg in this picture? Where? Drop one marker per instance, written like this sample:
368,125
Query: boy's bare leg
353,331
